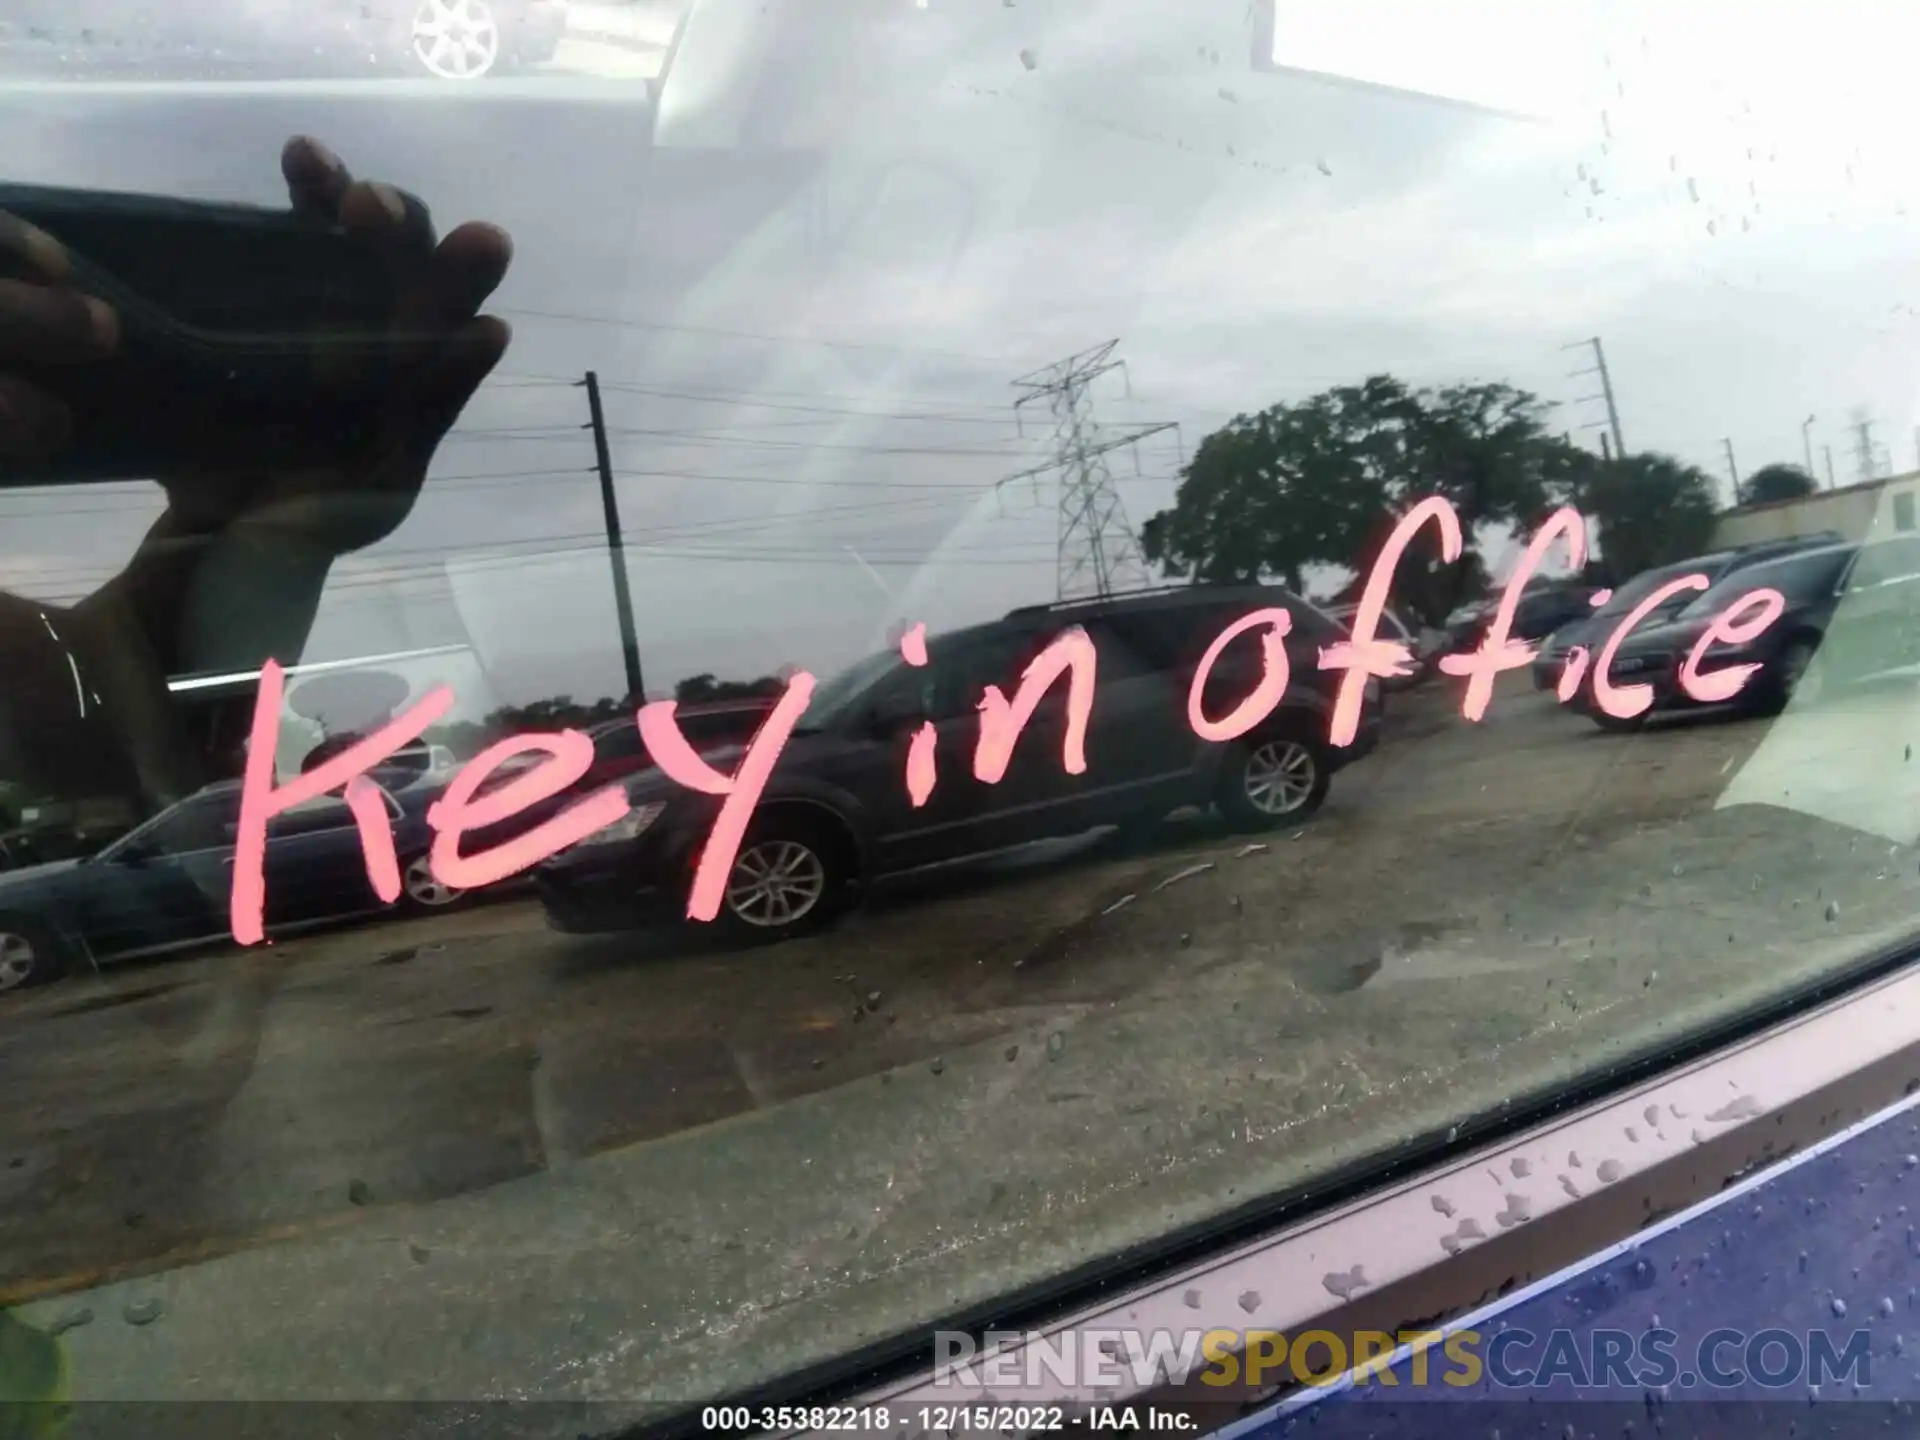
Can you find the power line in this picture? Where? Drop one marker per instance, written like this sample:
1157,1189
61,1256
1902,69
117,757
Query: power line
692,437
908,415
625,322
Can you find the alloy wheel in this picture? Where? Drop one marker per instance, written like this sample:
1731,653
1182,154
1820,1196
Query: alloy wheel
1799,677
776,883
1279,777
18,961
456,39
425,888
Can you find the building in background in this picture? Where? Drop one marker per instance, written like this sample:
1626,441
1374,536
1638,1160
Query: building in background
1868,510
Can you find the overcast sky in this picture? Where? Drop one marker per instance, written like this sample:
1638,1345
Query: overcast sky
853,237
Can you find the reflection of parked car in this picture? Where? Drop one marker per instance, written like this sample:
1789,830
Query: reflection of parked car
1542,610
448,39
1591,630
165,885
1812,582
1393,627
836,813
617,754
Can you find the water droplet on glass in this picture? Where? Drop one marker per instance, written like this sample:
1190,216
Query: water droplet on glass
1249,1300
72,1320
1056,1045
1323,167
1693,190
140,1312
1833,910
1839,1308
1029,59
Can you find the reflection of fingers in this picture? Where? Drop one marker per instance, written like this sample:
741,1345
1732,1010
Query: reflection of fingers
54,326
316,180
36,254
447,381
467,267
32,422
390,217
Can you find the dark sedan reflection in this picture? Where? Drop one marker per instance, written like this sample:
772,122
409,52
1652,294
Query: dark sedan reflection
163,886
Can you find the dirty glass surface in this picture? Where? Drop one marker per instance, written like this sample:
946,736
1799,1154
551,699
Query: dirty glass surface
914,424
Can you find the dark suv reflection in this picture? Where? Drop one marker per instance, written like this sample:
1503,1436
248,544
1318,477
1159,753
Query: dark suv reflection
836,816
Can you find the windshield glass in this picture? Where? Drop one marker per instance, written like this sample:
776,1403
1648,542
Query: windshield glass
836,698
414,390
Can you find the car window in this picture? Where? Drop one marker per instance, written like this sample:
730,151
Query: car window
318,819
643,390
1796,578
961,672
205,824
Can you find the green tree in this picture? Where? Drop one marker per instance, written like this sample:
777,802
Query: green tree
1322,481
1646,510
703,689
1776,482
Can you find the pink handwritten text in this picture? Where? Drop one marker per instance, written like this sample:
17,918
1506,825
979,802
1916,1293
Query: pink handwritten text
567,756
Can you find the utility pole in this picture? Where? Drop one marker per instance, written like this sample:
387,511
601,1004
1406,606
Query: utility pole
1806,442
1096,550
1733,473
616,549
1606,389
1828,449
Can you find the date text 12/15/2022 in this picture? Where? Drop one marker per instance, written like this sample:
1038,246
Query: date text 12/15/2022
569,753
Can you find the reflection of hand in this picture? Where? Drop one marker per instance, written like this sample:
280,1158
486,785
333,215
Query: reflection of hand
232,572
43,319
343,507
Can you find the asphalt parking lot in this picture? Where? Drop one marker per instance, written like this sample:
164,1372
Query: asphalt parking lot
173,1109
465,1157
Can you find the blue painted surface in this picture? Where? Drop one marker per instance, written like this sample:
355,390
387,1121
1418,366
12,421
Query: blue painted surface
1804,1277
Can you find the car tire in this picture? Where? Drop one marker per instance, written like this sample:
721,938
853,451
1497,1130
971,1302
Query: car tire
792,876
1617,725
29,954
421,893
1792,674
1269,780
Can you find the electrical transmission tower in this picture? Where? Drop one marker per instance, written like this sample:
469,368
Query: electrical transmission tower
1866,456
1097,552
